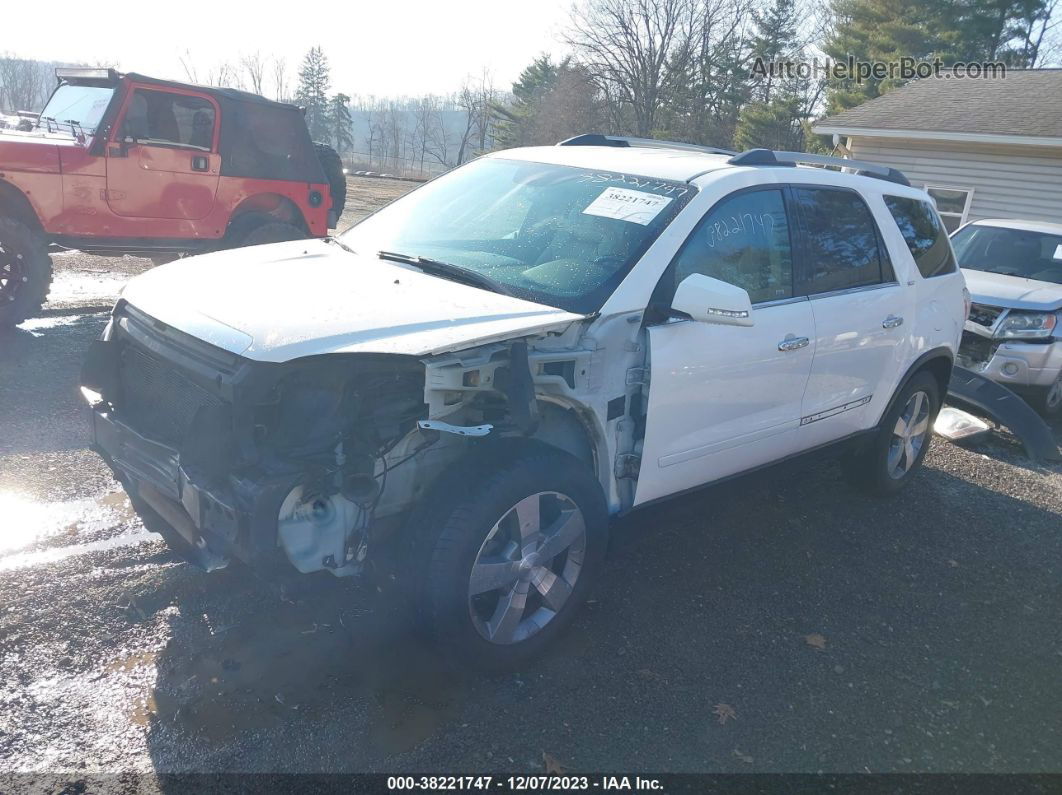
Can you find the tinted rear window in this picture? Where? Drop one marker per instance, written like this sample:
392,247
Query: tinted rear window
842,241
924,234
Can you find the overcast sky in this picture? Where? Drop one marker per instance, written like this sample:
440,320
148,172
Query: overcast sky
391,47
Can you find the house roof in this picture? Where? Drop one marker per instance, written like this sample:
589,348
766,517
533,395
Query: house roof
1023,107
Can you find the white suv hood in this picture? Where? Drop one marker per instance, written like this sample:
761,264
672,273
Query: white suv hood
284,301
1013,292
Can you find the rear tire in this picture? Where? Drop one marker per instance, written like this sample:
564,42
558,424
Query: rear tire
506,564
898,447
25,272
332,164
271,232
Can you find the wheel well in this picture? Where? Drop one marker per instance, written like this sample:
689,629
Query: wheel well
564,429
273,205
937,363
14,204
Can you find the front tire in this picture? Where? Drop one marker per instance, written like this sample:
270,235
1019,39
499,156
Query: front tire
1048,400
25,272
902,440
508,562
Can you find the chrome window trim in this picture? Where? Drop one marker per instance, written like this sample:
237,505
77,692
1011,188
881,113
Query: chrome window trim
779,302
849,290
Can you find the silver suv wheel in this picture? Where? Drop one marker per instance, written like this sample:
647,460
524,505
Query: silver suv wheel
527,567
909,435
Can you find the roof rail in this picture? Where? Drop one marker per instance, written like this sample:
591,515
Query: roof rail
768,157
596,139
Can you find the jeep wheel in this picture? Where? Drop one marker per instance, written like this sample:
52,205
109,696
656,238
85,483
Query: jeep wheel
271,232
509,562
901,441
25,272
332,164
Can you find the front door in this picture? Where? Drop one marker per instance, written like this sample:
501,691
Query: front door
724,399
163,162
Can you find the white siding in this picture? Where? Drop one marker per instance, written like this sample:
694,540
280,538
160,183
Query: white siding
1008,181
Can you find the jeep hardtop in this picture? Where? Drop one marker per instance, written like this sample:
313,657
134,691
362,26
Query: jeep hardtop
127,164
484,371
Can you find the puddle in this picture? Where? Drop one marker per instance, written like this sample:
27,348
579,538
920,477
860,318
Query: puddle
41,557
28,521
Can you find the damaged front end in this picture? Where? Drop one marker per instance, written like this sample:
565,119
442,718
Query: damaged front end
304,464
252,460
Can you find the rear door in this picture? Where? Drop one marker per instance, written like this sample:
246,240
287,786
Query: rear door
723,399
163,161
862,314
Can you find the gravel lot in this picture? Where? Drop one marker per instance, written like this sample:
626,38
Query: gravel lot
921,633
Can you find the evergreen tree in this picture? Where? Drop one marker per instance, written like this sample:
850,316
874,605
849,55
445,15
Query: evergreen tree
515,122
342,125
770,125
774,40
312,94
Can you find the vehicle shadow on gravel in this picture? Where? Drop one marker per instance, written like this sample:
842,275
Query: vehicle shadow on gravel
909,634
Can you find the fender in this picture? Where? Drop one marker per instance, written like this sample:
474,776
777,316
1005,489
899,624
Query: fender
942,360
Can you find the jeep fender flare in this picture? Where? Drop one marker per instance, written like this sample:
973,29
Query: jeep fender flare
15,204
265,207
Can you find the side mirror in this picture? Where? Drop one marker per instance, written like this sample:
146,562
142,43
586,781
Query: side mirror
710,300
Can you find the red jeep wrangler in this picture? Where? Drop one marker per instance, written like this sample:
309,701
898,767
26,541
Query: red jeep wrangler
125,164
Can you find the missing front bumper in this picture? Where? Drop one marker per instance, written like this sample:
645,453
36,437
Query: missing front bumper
219,521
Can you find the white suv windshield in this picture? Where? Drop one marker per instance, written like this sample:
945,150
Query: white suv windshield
553,234
1011,252
74,106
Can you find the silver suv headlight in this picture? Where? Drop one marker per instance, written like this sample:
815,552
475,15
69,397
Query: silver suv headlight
1028,325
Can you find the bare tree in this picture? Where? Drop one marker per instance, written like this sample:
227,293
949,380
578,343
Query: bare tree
24,84
254,67
635,50
280,80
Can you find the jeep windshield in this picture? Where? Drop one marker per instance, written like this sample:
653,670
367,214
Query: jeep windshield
75,108
555,235
1011,252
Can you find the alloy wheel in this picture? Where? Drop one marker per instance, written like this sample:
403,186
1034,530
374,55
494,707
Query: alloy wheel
1054,395
527,567
909,435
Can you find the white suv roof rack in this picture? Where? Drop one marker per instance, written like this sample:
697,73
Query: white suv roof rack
769,157
596,139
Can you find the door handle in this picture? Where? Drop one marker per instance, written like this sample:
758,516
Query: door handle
892,321
791,343
200,163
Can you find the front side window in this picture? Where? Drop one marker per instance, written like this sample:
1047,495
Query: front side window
843,251
559,235
744,241
162,118
1011,252
924,234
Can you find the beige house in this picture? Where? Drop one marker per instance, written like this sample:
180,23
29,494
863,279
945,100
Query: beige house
983,148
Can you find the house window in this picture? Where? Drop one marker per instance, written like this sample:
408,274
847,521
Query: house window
953,204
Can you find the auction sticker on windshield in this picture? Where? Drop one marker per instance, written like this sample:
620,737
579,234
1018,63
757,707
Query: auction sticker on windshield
625,204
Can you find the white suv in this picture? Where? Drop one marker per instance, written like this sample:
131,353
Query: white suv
484,371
